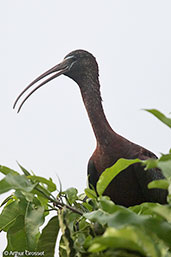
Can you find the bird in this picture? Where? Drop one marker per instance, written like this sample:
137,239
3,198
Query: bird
129,187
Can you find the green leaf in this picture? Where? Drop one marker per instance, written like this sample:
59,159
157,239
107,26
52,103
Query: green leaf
128,238
24,195
71,194
108,205
26,173
90,193
160,228
125,217
47,240
87,206
34,218
8,200
4,186
164,163
17,239
44,201
110,173
98,216
164,211
169,196
49,183
9,215
165,157
150,163
41,191
19,182
162,183
119,218
144,209
6,170
160,116
165,166
79,242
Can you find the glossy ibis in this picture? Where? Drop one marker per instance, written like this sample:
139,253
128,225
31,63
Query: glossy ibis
130,186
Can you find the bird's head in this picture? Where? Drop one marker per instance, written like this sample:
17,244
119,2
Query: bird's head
79,65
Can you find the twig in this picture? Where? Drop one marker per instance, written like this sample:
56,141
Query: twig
58,203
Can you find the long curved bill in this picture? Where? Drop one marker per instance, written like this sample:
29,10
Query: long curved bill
57,70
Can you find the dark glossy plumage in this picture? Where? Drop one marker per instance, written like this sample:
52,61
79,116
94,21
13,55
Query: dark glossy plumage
130,186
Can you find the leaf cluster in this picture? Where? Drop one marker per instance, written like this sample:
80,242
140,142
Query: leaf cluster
90,225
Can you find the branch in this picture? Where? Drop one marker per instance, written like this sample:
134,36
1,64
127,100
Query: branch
58,203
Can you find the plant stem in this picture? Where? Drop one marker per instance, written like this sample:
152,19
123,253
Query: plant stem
59,204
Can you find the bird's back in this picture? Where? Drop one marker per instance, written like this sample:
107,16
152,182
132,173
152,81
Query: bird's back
129,187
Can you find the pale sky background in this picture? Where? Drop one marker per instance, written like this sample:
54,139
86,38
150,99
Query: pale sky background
131,41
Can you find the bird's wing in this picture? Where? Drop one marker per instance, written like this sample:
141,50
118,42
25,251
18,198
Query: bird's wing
93,175
144,177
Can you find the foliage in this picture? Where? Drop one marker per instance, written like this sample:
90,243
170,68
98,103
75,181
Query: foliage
93,226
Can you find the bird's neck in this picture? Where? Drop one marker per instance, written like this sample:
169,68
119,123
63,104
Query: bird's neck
93,103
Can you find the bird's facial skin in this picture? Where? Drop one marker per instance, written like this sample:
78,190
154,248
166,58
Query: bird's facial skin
77,65
83,65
